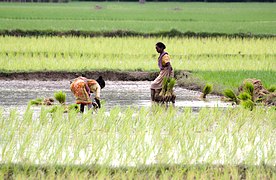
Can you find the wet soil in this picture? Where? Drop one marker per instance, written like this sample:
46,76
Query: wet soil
17,93
122,89
56,76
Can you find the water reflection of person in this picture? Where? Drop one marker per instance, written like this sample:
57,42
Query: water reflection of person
165,67
82,88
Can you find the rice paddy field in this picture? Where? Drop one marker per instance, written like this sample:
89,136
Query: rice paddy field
141,142
255,18
224,62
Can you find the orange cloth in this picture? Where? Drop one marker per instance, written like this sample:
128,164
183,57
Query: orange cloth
80,87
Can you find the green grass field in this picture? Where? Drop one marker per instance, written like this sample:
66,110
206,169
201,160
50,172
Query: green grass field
255,18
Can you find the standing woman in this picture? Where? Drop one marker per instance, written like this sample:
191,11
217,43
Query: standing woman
82,88
165,67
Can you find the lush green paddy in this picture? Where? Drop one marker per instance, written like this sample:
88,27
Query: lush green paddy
153,143
146,142
225,62
256,18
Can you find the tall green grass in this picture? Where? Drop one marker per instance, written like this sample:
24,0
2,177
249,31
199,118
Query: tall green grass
256,18
164,140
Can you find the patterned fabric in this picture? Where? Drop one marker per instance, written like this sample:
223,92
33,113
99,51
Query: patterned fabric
80,87
160,60
94,87
157,83
164,71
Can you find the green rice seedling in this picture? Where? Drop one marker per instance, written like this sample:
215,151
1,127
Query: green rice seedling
37,101
135,138
170,96
231,95
244,96
207,90
60,97
53,109
249,88
248,104
164,86
272,88
74,107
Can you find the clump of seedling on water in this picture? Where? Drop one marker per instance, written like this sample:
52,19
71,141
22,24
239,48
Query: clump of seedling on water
60,97
37,101
208,88
41,101
244,98
228,93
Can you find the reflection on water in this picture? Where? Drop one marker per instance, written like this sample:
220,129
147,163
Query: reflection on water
17,94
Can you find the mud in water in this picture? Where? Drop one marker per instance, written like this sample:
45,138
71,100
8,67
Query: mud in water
17,94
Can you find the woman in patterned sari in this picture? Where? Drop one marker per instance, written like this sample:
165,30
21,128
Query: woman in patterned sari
166,70
82,88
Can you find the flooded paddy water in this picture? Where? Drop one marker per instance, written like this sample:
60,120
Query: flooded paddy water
127,143
17,94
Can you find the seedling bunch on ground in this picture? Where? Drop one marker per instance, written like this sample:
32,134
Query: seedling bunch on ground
60,97
251,93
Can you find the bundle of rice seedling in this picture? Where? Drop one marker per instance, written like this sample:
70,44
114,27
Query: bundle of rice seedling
207,90
164,87
231,95
170,86
244,96
60,97
37,101
249,88
248,104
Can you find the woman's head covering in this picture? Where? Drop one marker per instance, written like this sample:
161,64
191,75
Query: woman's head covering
101,82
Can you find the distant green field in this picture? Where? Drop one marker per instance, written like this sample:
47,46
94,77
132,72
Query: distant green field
255,18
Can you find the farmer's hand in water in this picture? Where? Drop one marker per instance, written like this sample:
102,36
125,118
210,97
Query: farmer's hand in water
98,102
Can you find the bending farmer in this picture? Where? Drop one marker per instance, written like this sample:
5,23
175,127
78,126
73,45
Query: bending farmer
82,88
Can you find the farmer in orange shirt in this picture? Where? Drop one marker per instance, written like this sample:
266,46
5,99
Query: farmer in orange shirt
82,88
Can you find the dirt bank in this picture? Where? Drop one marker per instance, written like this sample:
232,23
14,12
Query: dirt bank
184,78
55,76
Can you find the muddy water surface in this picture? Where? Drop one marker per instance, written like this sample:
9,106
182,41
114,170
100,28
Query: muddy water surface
17,94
